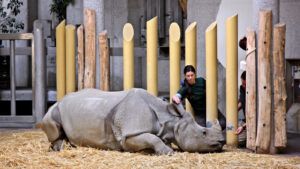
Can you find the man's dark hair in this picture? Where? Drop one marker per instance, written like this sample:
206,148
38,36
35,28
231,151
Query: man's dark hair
189,68
243,43
243,75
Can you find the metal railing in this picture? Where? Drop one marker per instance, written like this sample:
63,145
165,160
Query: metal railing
38,63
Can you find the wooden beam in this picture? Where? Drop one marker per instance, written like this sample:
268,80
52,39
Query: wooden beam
251,105
90,48
80,57
264,82
104,61
280,95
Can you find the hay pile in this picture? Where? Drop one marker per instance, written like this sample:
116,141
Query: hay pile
29,149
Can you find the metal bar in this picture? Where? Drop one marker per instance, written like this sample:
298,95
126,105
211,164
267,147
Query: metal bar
39,63
161,18
138,52
12,79
33,67
16,36
18,51
21,94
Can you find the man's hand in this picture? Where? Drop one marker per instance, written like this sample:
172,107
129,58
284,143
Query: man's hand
240,129
175,99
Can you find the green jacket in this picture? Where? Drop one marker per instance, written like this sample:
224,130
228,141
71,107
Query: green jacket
196,94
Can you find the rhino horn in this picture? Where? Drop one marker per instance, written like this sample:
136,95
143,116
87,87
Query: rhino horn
214,124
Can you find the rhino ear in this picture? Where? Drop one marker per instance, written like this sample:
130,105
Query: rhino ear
176,109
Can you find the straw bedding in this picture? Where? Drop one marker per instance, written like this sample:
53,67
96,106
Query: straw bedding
30,149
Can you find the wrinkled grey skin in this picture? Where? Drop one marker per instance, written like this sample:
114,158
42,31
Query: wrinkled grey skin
131,121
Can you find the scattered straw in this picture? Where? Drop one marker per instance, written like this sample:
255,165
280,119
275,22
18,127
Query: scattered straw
30,149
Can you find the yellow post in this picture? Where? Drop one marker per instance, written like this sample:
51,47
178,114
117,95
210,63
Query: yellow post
152,40
174,33
128,56
231,80
211,73
191,53
60,61
70,58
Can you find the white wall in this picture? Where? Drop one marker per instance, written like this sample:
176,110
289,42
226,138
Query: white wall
229,8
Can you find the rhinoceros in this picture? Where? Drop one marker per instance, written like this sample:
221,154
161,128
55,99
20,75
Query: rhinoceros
132,120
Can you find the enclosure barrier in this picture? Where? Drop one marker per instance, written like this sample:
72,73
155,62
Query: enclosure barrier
65,60
251,91
271,132
211,73
231,80
128,56
38,74
60,60
191,53
175,48
264,81
70,59
152,44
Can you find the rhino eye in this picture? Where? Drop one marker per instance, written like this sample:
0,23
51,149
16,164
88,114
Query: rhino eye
204,132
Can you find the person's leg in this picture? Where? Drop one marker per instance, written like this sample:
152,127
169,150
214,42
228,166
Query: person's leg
222,120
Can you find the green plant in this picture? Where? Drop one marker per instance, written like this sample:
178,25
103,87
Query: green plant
8,13
59,7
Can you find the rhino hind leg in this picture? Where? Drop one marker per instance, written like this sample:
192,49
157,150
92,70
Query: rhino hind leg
146,141
57,145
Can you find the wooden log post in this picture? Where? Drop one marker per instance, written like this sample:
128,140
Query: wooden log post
80,57
60,60
90,48
191,54
251,105
104,61
231,80
264,82
152,67
211,74
128,56
174,33
280,95
70,59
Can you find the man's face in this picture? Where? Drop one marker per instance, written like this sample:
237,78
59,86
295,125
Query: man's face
243,83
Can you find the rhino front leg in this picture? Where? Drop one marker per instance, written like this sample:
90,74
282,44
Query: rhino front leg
147,141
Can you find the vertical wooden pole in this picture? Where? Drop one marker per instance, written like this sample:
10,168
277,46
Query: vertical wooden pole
264,82
251,105
70,59
231,80
80,57
152,44
211,73
191,53
104,61
60,60
280,95
90,51
128,56
174,33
